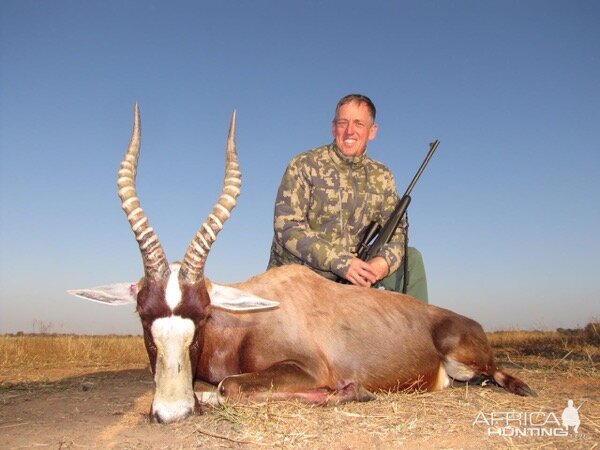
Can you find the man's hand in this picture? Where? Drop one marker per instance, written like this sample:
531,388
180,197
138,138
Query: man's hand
367,273
380,267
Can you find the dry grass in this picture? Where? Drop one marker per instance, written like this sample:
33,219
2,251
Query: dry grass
560,365
443,419
566,352
426,420
26,357
583,342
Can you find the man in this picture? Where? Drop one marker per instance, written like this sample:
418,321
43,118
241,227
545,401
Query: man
328,196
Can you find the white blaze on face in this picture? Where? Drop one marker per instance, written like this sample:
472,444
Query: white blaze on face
173,293
174,395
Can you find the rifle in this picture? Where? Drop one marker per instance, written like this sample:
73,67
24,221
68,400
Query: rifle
376,236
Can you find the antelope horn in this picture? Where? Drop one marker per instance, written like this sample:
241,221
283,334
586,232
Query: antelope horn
192,268
155,262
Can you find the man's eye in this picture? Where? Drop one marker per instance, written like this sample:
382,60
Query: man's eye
342,123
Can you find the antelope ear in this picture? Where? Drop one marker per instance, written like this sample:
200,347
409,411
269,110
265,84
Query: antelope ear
232,299
111,294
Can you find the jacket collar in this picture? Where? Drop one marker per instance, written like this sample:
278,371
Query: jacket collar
346,161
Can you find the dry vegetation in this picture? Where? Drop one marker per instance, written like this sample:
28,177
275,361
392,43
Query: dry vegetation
560,365
581,343
46,357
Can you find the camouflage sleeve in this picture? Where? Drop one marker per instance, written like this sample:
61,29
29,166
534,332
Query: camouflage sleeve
393,251
292,229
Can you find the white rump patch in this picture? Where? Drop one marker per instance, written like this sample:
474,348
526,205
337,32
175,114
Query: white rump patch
233,299
459,371
442,381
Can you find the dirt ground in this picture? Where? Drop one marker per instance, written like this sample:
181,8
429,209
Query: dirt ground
86,408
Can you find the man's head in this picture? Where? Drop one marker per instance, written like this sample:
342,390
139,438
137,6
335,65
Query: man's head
354,124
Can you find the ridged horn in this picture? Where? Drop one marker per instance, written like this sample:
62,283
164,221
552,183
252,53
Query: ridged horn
192,268
156,266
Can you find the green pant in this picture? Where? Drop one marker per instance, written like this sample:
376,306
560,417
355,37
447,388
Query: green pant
417,281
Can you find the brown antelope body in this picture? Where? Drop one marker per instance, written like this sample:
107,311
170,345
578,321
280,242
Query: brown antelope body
287,333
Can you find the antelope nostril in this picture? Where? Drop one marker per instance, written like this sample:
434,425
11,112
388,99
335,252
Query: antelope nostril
174,417
157,417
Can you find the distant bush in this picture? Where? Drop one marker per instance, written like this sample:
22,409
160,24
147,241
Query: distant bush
592,332
580,343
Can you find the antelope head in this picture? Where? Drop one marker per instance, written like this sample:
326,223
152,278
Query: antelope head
174,301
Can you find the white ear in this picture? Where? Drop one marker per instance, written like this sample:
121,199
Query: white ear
111,294
232,299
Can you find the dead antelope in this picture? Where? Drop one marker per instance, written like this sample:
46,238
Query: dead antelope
287,333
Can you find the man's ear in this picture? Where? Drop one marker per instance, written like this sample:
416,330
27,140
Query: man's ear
111,294
373,131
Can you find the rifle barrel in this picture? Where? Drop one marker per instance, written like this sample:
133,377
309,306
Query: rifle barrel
432,148
389,228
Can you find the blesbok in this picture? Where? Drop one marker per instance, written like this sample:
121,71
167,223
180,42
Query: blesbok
287,333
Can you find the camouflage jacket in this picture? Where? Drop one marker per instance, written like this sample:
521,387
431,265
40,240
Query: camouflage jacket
324,202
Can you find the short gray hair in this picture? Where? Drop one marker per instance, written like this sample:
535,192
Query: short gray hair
359,98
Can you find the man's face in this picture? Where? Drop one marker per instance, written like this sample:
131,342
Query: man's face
353,128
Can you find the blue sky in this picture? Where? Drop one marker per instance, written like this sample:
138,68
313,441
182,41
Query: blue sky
506,214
